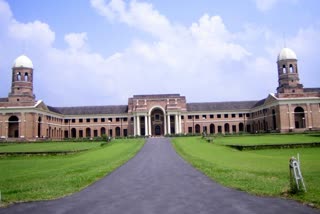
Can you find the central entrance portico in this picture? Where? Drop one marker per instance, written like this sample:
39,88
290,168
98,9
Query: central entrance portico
157,122
156,115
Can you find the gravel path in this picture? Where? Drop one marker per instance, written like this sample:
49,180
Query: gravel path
157,180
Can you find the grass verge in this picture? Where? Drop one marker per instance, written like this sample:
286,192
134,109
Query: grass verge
268,139
47,177
261,172
47,147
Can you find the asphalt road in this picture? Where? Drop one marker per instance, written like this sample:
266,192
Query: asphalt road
157,180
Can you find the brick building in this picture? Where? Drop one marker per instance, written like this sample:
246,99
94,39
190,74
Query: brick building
292,109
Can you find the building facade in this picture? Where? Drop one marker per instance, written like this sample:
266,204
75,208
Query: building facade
292,109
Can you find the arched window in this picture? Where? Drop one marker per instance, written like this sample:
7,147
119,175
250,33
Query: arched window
197,128
18,76
13,127
26,77
212,129
284,70
291,68
299,118
226,128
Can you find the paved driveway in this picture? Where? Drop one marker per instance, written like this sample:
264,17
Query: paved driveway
157,180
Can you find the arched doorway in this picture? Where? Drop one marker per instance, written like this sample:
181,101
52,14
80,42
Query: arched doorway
118,131
274,119
299,118
157,130
226,128
197,129
103,131
212,129
88,132
157,122
241,126
39,127
13,127
73,133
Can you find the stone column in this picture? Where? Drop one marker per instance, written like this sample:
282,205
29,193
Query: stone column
176,124
168,121
165,123
134,125
179,123
309,115
146,125
149,122
138,125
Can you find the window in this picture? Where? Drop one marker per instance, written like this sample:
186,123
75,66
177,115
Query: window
66,120
157,117
240,115
117,119
189,129
103,120
88,120
189,117
182,117
218,115
73,120
233,115
95,120
204,117
80,120
247,114
131,119
226,115
125,119
197,117
211,116
110,119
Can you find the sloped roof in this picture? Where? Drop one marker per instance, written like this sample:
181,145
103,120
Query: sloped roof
155,96
4,99
85,110
311,89
221,106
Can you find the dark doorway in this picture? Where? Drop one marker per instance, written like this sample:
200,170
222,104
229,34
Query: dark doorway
157,130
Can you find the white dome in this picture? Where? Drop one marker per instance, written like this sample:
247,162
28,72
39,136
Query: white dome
23,61
286,53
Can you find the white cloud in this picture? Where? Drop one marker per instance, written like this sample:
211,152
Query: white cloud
76,41
36,33
265,5
196,60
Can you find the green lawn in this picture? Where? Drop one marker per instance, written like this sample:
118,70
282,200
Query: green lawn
28,178
47,147
267,139
262,172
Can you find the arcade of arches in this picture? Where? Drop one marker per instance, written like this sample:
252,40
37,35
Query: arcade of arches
293,108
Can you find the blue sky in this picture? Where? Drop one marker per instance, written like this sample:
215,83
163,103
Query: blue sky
102,52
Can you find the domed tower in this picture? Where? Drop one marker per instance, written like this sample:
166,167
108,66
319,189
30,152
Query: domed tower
288,76
22,82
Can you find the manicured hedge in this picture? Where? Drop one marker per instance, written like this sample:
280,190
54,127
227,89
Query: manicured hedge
275,146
